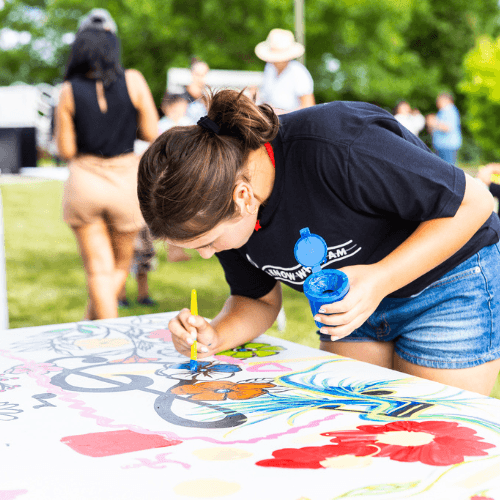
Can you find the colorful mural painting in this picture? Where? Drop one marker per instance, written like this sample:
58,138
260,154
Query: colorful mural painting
109,409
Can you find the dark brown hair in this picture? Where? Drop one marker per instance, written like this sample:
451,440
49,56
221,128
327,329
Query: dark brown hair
187,176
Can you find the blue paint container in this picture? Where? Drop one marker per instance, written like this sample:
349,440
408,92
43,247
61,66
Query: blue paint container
321,287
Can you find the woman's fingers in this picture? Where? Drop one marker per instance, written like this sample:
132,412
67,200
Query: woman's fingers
183,334
339,332
186,329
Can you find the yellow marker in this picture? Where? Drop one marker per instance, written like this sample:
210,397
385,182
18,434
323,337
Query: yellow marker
193,364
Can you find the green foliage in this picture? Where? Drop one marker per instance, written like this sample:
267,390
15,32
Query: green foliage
482,88
388,50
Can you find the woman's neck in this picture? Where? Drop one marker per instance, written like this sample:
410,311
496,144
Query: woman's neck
261,173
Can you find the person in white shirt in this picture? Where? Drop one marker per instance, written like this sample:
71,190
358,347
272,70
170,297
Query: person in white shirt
412,119
196,90
174,107
287,84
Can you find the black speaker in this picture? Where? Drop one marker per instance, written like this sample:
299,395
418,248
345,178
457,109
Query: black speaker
10,151
17,149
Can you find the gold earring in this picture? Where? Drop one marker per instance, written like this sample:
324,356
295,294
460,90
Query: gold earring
252,213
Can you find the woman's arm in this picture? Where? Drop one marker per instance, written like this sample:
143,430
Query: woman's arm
241,320
432,243
436,240
142,99
435,124
64,125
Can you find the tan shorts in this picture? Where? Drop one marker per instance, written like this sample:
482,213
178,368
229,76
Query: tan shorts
103,189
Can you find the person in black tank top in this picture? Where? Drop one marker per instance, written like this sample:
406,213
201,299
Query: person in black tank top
101,109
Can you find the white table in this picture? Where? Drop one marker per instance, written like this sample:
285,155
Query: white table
109,410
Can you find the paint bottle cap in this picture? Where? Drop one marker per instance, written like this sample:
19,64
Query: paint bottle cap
310,250
322,286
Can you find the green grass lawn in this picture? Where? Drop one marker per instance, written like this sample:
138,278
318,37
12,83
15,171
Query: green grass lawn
46,282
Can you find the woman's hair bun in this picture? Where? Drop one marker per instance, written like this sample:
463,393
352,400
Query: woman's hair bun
238,116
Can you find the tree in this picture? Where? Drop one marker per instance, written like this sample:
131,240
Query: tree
391,50
355,49
481,86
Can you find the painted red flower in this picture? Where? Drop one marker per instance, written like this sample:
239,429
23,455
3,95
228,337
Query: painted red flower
221,390
431,443
312,457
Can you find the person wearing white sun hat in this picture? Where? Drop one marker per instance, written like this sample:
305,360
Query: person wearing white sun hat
287,84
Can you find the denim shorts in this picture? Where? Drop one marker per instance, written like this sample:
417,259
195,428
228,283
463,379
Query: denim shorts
453,323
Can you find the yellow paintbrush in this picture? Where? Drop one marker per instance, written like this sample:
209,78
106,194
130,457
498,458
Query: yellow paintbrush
193,364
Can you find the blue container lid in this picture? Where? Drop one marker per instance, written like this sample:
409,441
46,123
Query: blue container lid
310,250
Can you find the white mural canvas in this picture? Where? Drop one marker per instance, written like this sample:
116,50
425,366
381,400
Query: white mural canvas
109,409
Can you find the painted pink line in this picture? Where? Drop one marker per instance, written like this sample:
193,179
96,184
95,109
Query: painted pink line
160,459
277,435
36,371
229,359
11,494
87,412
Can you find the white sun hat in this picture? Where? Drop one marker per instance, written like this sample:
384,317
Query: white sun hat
98,18
279,46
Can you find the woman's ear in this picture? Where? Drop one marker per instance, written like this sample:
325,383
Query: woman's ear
243,197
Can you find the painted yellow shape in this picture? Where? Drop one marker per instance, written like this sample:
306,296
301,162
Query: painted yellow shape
481,477
347,462
221,453
206,488
101,343
405,438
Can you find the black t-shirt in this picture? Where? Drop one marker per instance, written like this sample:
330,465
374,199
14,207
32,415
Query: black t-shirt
356,177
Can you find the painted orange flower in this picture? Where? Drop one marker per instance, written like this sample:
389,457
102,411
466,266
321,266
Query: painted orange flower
222,390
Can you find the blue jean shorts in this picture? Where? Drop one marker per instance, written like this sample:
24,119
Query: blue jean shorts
453,323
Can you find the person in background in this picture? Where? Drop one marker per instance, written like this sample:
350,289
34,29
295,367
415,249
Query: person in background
490,176
144,261
445,128
410,118
101,109
195,91
174,107
287,83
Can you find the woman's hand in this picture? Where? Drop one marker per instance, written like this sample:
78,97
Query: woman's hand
186,328
484,174
365,294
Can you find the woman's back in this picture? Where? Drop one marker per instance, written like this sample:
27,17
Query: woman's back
108,128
